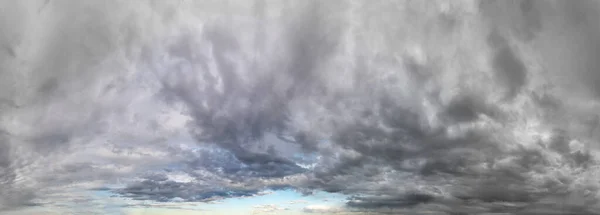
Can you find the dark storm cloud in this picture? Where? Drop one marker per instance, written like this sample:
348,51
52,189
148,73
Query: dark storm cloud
164,190
242,112
584,15
481,169
496,116
509,68
243,167
159,187
477,166
378,202
477,176
524,18
51,69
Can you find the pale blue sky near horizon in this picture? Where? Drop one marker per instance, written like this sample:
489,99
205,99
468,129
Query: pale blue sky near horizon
286,202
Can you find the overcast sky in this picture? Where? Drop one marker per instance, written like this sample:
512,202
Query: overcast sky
299,107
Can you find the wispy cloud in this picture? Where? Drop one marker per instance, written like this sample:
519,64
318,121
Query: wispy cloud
268,209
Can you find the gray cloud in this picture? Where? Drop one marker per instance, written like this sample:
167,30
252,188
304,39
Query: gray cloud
164,190
449,107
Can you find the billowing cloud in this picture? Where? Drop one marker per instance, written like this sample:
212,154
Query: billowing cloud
446,107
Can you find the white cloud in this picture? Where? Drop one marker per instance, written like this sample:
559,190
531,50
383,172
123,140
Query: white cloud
323,209
268,209
300,201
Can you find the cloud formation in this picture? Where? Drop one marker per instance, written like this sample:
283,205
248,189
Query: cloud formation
321,209
450,107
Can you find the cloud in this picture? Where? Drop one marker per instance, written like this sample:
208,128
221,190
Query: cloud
322,209
458,107
268,208
297,202
378,202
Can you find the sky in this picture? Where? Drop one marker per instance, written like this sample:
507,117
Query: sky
299,107
268,202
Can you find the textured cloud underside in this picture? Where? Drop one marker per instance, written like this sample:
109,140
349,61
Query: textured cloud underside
450,107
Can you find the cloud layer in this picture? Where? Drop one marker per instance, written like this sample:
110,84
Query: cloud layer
451,107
